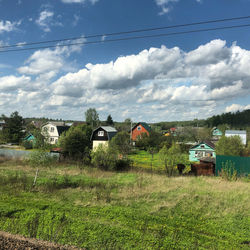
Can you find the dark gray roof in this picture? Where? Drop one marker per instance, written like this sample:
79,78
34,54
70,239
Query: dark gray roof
61,129
111,131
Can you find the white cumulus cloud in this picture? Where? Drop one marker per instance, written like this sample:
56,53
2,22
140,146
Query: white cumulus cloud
237,107
7,26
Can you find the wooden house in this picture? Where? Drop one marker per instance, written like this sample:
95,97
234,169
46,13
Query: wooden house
102,135
53,130
139,129
216,132
30,138
201,150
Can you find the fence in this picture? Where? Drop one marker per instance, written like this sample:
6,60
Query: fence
240,164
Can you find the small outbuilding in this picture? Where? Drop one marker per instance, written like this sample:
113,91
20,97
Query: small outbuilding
102,135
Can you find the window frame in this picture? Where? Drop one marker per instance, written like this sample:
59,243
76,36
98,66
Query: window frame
100,133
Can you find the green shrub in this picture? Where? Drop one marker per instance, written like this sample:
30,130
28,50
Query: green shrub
27,144
108,158
41,158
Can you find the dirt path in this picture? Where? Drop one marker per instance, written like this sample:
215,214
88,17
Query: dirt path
17,242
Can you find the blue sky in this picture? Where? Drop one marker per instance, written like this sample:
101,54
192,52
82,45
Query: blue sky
179,77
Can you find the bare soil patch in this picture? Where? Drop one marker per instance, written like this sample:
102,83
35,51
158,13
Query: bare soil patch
9,241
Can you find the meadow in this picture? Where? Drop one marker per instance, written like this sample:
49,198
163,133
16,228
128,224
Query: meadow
98,209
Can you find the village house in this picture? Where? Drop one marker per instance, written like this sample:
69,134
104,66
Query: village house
102,135
201,150
139,129
216,132
53,130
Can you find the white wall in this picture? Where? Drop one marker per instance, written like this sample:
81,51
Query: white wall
97,143
50,130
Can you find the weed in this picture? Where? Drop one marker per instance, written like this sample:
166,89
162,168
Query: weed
228,171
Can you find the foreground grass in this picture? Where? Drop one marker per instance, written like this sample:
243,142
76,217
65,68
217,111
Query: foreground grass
95,209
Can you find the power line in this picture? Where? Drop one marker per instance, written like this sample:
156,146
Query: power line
128,38
130,32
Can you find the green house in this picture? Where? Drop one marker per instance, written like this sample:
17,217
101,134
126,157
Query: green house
200,150
30,138
216,132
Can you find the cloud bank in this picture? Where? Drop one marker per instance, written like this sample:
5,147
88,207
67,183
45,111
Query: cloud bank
156,84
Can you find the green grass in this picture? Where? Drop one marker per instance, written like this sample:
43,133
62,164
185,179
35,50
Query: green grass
106,210
142,159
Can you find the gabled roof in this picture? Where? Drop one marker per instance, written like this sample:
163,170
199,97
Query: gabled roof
108,128
111,131
61,129
55,123
144,124
209,143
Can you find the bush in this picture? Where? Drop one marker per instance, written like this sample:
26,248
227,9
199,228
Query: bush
27,144
41,158
107,158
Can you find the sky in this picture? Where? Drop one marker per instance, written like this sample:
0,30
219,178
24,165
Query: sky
159,78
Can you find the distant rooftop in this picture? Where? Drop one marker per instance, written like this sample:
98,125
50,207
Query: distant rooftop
241,132
109,129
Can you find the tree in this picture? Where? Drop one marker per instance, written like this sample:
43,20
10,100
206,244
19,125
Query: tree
153,140
76,142
121,141
204,134
92,117
14,128
229,146
152,151
109,121
171,157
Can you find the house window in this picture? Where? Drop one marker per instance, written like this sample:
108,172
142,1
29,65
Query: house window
52,129
51,139
100,133
202,146
139,128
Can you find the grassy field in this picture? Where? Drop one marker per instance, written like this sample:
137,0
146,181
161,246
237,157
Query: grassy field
143,159
105,210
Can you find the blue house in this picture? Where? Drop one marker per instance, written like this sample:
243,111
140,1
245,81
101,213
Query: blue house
200,150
